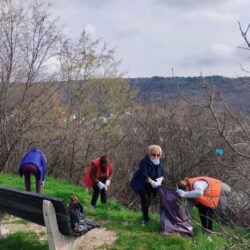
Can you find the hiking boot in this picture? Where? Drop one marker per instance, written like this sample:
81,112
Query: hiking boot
144,222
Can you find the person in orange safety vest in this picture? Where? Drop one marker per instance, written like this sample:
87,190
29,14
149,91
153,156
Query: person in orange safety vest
208,195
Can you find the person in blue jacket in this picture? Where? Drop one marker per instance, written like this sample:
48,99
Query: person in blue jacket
148,178
34,162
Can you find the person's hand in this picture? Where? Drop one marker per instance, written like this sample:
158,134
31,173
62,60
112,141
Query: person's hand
180,192
43,183
100,185
159,180
107,183
154,184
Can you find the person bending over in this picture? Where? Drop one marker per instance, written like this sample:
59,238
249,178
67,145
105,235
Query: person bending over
98,176
207,194
33,163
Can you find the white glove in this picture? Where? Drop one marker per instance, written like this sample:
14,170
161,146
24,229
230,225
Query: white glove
180,192
159,180
100,185
154,184
107,183
43,183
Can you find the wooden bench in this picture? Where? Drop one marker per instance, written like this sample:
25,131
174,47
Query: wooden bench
44,210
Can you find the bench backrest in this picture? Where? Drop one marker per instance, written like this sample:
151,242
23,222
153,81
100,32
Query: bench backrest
29,206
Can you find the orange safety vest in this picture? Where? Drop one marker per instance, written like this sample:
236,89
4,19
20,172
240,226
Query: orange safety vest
211,195
86,177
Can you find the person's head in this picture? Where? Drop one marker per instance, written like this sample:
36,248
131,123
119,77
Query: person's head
183,184
154,151
105,161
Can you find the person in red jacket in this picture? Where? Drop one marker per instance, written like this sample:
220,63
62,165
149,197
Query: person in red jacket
208,195
98,177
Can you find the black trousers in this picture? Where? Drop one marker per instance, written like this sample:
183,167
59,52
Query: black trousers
145,196
96,192
206,216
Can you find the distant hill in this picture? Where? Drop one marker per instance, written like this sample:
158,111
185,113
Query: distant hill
236,91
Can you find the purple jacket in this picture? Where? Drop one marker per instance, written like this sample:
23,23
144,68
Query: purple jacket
36,157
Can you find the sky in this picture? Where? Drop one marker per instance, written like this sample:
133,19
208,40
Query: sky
165,37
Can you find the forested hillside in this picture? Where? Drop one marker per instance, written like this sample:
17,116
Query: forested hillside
236,91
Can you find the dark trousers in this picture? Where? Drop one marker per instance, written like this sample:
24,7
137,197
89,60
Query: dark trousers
29,169
96,192
206,216
145,196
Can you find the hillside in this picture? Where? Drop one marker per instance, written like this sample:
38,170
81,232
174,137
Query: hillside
113,218
236,91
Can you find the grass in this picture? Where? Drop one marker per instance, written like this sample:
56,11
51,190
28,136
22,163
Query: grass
23,241
115,217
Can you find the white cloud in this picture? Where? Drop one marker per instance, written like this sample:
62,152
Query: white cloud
130,27
215,55
212,16
90,29
94,4
152,36
222,50
193,4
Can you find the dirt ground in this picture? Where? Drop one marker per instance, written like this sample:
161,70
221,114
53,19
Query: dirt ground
98,238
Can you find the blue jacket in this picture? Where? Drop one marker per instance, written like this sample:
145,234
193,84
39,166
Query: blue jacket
34,156
146,169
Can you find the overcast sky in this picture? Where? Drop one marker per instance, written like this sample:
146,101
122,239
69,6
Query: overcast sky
153,36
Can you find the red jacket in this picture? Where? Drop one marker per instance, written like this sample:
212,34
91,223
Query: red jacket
87,179
210,197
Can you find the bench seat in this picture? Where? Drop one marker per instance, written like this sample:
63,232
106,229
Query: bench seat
44,210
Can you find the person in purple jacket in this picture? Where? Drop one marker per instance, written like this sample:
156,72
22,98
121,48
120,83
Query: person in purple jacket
35,163
148,178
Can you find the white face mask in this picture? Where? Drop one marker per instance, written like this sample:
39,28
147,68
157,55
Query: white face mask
155,161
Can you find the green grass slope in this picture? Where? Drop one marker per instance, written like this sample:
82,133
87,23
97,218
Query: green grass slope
112,216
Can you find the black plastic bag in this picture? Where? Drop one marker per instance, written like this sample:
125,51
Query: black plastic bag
76,213
77,217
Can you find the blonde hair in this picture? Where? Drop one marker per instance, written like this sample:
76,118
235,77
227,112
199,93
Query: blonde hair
154,148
